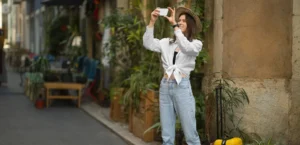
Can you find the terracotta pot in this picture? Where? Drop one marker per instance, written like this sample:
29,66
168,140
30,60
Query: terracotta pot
39,103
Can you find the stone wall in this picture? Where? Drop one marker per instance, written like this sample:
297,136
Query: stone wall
255,40
267,113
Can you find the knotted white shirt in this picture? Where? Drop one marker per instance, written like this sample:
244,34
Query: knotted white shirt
185,59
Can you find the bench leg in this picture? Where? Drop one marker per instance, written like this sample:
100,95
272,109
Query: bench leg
47,100
78,105
79,98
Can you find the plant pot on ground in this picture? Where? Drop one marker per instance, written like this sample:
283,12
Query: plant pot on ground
116,112
143,117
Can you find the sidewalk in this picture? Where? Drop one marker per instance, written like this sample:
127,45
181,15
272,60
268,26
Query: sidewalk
102,115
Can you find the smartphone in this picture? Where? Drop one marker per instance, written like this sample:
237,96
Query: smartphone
163,11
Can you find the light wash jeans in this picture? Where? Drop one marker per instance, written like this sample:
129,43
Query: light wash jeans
177,100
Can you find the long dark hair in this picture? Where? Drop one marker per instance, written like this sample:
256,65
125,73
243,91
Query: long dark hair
190,28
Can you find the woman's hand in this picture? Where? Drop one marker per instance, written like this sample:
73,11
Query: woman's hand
172,16
154,16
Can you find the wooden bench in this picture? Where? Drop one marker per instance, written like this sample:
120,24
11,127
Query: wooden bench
65,86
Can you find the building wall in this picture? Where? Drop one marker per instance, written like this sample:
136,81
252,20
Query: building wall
27,25
37,37
122,4
9,21
257,38
294,102
257,52
38,33
27,32
23,24
267,113
18,25
20,13
252,44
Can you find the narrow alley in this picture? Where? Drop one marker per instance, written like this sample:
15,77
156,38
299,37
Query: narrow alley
22,124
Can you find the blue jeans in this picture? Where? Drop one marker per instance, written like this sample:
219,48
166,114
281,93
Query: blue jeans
177,100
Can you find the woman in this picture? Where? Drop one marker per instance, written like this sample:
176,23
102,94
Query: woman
178,56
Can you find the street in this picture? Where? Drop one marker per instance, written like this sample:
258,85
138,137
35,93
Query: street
61,124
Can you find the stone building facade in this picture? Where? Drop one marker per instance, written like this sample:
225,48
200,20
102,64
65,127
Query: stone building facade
257,43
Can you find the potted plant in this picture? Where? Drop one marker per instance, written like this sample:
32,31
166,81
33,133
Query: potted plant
34,85
117,112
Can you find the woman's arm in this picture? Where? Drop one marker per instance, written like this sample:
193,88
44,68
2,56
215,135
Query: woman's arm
149,41
190,48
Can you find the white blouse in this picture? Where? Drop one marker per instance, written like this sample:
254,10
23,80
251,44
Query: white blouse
185,59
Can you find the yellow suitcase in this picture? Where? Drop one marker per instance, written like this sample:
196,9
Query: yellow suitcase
232,141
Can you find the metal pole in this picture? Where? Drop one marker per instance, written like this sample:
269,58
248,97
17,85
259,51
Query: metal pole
217,104
220,93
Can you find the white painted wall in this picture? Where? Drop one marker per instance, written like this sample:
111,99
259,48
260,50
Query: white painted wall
23,24
13,24
9,21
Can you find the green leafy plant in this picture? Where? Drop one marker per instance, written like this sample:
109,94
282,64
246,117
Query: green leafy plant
264,142
258,140
125,44
232,98
38,68
35,85
40,65
130,61
56,33
143,77
200,115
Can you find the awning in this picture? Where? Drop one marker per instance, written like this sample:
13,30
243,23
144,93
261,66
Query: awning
62,2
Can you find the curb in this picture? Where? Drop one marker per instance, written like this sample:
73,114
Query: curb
94,110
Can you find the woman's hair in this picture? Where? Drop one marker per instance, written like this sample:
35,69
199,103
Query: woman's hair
190,28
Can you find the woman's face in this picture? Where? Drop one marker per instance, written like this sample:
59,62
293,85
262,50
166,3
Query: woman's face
182,23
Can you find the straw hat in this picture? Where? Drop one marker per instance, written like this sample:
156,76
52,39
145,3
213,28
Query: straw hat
181,10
